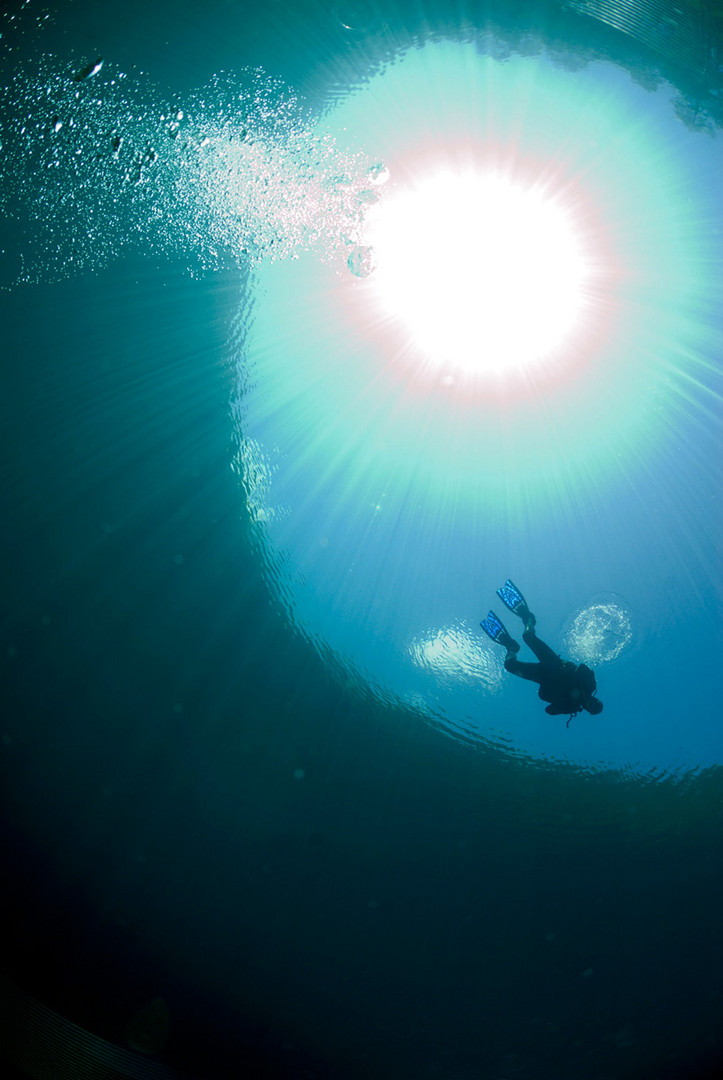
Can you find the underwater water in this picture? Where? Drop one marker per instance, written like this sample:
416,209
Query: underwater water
279,418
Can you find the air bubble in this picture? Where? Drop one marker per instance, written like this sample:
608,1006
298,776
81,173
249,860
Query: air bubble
379,174
362,261
89,70
357,15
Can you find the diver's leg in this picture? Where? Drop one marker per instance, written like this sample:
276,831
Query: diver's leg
542,651
531,672
509,643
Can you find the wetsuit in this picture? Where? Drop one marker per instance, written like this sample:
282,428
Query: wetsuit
559,680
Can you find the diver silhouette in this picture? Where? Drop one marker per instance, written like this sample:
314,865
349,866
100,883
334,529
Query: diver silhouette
568,687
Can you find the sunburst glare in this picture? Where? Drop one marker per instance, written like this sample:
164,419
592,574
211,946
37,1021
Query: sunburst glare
487,275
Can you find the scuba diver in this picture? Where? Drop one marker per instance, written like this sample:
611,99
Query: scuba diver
568,687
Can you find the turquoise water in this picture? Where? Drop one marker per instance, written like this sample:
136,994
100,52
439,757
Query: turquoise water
258,759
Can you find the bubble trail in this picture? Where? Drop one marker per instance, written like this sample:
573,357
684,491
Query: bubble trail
92,163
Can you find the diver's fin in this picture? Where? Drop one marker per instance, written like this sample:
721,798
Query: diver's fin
492,626
494,629
513,599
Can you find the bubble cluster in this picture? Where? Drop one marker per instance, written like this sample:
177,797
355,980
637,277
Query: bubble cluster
599,633
92,162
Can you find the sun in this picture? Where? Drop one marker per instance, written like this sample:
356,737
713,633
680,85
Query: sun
487,275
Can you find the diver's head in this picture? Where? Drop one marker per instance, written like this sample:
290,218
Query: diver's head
593,705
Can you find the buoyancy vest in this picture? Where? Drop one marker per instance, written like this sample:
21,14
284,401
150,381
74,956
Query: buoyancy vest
567,688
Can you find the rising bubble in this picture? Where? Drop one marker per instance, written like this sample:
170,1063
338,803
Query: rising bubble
89,70
599,633
379,174
361,261
233,175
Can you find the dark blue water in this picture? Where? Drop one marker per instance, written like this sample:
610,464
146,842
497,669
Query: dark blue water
221,785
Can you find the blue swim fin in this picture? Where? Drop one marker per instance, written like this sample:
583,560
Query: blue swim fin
494,629
513,599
